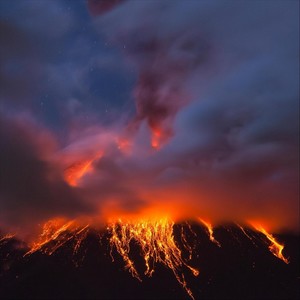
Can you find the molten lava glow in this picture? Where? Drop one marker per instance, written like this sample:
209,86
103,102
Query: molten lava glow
77,170
56,233
275,247
157,244
153,237
210,231
6,238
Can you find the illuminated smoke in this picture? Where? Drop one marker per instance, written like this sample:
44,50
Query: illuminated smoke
208,91
79,169
216,103
215,134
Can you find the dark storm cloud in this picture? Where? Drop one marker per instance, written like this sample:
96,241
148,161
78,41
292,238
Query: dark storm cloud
31,187
163,59
17,61
51,57
27,35
56,69
97,7
236,63
220,79
170,42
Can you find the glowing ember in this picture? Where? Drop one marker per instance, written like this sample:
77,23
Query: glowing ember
275,247
210,231
157,244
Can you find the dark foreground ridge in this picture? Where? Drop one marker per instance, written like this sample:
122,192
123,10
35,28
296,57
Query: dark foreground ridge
242,268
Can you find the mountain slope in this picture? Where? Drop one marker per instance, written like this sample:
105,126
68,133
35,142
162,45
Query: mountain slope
242,268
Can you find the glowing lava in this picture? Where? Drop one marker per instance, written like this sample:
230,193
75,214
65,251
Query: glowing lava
152,237
275,247
210,231
6,238
156,241
56,233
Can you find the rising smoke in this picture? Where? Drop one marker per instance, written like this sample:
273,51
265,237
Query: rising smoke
216,93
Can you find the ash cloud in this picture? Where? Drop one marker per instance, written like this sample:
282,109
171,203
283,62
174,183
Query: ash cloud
219,80
222,79
32,188
164,56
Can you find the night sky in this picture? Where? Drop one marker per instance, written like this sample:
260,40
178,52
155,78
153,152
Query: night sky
213,84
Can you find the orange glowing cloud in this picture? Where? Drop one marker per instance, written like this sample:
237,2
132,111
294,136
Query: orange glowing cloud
77,170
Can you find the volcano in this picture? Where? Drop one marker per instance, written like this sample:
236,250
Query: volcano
237,264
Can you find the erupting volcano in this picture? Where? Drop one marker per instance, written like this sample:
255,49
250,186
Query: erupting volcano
144,246
149,149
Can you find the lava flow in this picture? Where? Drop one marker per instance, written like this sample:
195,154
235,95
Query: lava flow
154,238
210,232
157,244
56,233
275,247
6,238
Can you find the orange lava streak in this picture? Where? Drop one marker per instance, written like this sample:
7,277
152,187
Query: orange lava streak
246,234
210,231
52,231
157,244
6,237
154,238
275,247
55,234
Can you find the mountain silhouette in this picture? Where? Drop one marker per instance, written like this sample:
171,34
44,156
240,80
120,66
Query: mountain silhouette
241,268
